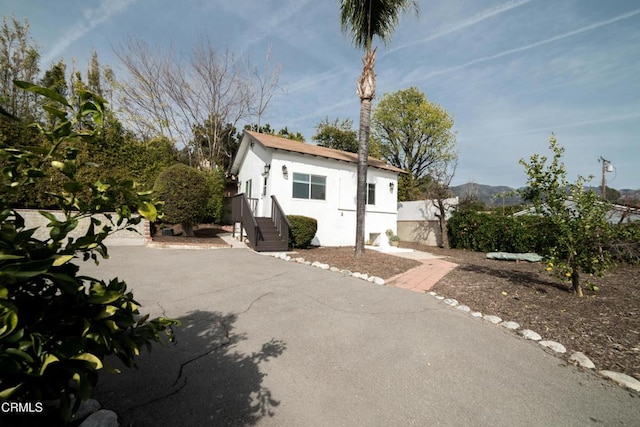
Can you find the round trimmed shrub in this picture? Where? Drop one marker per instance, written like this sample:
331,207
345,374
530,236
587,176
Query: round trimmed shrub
302,230
185,194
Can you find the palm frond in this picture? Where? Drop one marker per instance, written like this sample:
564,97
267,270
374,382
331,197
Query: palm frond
364,19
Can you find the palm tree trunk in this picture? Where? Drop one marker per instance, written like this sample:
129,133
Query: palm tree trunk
361,192
366,91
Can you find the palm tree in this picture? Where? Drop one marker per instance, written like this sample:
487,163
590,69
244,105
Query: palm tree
362,20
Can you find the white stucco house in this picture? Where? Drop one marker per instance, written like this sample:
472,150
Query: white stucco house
316,182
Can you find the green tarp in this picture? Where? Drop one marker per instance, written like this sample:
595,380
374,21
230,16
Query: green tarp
531,257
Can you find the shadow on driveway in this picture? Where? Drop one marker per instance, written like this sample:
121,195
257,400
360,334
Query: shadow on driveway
232,393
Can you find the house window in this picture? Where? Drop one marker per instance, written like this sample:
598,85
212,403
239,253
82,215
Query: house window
371,194
307,186
247,188
264,186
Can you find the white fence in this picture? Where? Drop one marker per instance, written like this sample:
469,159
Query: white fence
417,221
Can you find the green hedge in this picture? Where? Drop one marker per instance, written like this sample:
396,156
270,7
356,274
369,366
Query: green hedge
492,232
625,243
302,230
496,232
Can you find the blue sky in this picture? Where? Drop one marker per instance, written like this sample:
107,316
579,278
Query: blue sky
509,71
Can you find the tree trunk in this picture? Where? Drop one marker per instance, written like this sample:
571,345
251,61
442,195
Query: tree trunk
361,193
187,229
366,91
575,281
443,232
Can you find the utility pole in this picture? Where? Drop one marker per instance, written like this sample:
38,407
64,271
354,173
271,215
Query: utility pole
606,167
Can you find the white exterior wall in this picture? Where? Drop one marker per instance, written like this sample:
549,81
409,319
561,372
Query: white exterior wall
252,168
417,221
138,235
424,210
336,214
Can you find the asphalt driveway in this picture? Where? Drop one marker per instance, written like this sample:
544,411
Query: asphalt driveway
269,342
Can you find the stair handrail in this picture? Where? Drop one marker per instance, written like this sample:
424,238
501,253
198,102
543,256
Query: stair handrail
280,219
241,212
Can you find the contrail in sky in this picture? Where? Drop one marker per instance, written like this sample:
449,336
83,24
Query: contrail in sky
483,15
529,46
91,18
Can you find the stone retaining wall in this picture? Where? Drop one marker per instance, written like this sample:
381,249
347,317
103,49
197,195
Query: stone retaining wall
140,236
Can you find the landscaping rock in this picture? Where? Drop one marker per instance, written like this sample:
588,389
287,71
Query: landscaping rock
433,294
356,275
316,264
622,379
371,279
334,269
440,297
346,272
464,308
530,335
101,418
378,281
557,347
287,258
365,277
324,266
510,325
582,360
493,319
475,314
450,301
86,408
300,260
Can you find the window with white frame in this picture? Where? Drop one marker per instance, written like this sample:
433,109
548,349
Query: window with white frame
306,186
371,194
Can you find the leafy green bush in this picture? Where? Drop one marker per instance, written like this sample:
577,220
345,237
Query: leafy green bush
625,243
491,232
57,326
215,204
302,230
185,194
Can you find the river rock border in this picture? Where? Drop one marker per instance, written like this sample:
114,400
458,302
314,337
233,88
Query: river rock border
576,358
362,276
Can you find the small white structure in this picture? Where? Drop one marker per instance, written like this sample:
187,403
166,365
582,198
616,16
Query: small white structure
417,220
316,182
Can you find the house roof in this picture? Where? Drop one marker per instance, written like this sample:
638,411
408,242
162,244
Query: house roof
616,212
278,143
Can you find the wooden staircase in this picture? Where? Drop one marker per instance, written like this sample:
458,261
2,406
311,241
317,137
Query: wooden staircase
271,240
265,234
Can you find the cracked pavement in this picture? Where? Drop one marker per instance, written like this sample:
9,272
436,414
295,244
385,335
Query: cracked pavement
268,342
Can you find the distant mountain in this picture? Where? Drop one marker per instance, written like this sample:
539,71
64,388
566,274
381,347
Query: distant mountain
627,192
488,194
493,195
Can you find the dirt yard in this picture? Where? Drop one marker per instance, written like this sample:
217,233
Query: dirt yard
605,325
